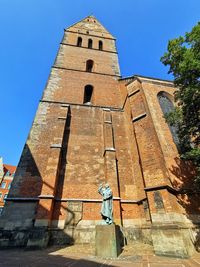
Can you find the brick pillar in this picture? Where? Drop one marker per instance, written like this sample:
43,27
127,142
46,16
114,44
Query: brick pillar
111,168
46,202
152,162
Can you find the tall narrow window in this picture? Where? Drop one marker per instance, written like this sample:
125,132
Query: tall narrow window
100,45
89,65
90,43
167,106
79,42
88,94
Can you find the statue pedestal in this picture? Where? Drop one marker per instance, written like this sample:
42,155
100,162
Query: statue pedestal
107,241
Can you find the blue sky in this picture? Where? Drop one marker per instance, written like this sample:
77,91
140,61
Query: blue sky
31,31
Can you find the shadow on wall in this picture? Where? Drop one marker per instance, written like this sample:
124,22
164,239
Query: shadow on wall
185,172
60,206
66,236
189,199
30,186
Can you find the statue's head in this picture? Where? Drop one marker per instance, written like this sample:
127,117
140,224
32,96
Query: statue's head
107,186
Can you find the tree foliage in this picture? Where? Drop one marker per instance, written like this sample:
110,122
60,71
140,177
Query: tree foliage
183,59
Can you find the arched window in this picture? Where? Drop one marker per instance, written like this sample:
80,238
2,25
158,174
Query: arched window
167,106
79,41
89,65
100,45
88,94
90,43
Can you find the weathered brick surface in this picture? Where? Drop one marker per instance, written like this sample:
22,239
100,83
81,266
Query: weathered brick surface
120,137
68,89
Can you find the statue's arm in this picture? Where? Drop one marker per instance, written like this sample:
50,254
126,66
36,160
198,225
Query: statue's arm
107,195
100,189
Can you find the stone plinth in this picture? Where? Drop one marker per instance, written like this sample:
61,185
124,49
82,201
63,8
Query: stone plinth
38,238
107,241
172,241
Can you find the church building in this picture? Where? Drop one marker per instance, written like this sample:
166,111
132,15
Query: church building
93,126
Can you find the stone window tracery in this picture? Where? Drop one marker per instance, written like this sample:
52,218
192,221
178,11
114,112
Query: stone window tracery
167,106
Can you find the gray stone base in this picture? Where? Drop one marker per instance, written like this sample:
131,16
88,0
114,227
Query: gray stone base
34,238
108,241
137,235
167,240
30,238
60,238
38,238
172,241
13,238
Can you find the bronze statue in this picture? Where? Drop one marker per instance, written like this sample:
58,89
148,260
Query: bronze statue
107,204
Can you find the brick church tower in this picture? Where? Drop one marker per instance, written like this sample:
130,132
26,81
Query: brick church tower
92,126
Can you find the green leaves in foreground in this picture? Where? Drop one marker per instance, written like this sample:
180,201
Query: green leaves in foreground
183,59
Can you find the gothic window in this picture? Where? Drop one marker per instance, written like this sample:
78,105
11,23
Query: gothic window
79,42
89,65
100,45
167,106
88,94
90,43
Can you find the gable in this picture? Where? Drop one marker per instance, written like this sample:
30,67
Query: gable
90,25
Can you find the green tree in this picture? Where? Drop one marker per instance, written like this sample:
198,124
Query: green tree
183,59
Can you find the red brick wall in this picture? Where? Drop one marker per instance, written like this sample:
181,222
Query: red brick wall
72,149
